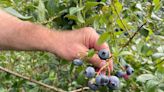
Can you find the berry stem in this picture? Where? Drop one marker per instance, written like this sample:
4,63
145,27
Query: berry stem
106,65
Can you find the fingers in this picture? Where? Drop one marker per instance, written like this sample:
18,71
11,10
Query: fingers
97,62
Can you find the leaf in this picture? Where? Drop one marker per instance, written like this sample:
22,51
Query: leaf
41,10
91,4
144,32
153,16
118,6
157,4
158,55
161,86
16,14
139,6
104,37
80,18
125,53
124,24
91,53
151,86
81,78
74,10
71,68
145,77
51,7
145,49
160,49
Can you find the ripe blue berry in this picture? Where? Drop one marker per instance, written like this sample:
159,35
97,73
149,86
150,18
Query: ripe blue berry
93,86
114,82
129,70
77,62
116,29
90,72
98,0
103,54
127,66
126,33
119,74
102,80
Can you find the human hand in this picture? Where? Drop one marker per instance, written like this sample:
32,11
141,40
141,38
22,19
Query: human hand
70,43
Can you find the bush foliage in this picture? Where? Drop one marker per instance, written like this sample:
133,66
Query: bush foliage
134,30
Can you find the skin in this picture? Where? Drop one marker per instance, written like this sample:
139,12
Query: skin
21,35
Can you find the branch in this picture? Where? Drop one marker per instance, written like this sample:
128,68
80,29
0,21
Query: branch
32,80
159,62
131,38
81,89
47,21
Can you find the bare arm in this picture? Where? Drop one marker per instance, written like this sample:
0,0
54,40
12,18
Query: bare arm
21,35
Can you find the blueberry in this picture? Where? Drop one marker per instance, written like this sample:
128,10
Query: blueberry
103,54
119,74
98,0
116,29
129,70
114,83
93,86
127,66
125,76
77,62
121,29
126,33
90,72
102,80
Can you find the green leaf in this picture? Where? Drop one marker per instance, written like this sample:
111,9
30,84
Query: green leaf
91,53
157,4
144,32
41,10
104,37
81,78
124,24
139,6
161,86
153,16
91,4
51,7
125,53
158,55
145,77
16,14
145,49
80,18
118,6
151,86
74,10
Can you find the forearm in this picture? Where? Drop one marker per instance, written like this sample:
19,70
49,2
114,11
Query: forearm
19,35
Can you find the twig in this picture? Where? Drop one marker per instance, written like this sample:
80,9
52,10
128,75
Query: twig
47,21
159,62
32,80
119,16
80,90
131,38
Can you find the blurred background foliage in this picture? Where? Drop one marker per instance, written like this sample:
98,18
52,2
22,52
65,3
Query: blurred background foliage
115,20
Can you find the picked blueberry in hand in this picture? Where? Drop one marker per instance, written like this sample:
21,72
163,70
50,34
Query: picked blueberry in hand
103,54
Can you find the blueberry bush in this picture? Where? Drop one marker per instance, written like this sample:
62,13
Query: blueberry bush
133,29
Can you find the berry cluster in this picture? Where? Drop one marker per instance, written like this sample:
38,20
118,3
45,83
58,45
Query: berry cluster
98,79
